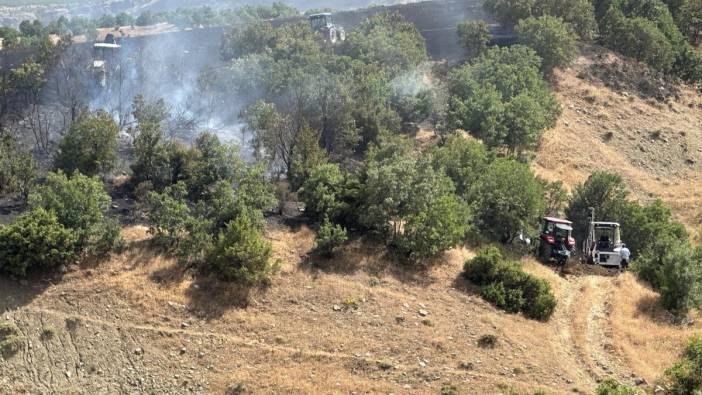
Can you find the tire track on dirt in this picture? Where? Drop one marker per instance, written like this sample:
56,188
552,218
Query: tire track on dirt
316,355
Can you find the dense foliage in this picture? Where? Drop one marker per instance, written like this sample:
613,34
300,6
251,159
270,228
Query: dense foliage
551,38
474,36
89,145
504,284
685,376
36,240
502,99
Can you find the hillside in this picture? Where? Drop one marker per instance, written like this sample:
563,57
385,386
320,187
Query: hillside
613,121
137,323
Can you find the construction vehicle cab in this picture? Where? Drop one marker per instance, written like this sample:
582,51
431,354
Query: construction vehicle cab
603,243
324,23
556,240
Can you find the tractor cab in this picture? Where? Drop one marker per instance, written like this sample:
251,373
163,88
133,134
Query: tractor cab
556,240
324,24
603,243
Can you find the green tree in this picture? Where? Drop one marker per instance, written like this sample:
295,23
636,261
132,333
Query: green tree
580,14
168,215
389,40
89,146
502,99
18,169
330,237
436,228
35,240
412,205
81,204
321,192
251,38
463,159
240,253
306,156
551,38
508,199
213,162
603,191
690,20
474,37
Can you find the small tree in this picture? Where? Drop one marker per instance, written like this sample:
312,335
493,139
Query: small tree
474,37
508,199
330,237
80,204
240,253
321,191
551,38
89,146
169,214
35,240
611,386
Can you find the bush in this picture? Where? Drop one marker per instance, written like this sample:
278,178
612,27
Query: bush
551,38
611,386
35,240
321,191
685,377
675,270
474,37
505,285
330,236
508,199
81,204
168,214
11,339
89,146
240,253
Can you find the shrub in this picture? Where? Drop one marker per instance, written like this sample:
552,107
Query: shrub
473,37
685,376
89,146
505,285
330,236
551,38
35,240
80,203
11,339
240,253
168,214
675,270
321,190
487,341
611,386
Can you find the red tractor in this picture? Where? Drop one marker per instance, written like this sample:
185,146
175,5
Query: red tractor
556,241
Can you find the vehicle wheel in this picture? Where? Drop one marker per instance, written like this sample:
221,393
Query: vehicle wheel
342,35
332,36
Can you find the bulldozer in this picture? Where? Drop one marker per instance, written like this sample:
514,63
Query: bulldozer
603,244
324,24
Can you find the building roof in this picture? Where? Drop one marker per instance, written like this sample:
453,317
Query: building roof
320,14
